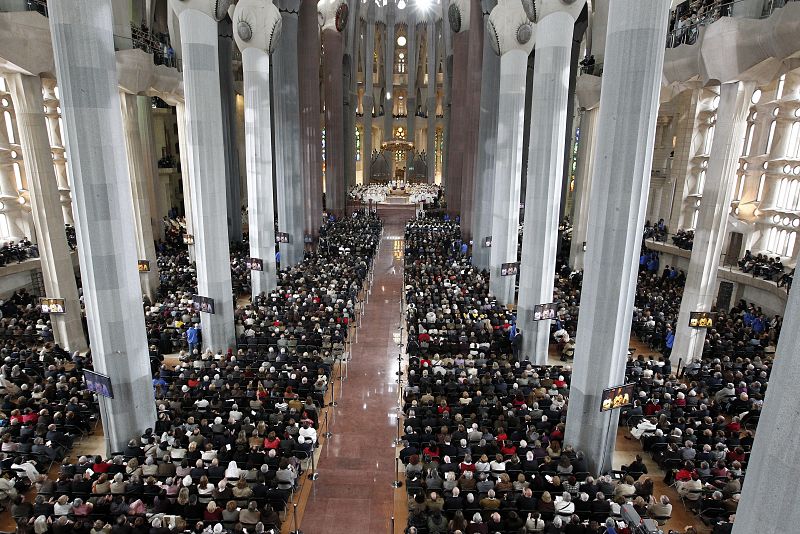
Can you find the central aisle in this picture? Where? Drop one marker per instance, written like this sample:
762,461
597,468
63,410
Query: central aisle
353,493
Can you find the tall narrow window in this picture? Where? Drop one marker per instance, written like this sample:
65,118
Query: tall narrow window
9,127
771,137
760,192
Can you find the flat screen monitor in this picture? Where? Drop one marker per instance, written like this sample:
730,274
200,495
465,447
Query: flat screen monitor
188,239
509,269
202,304
617,397
144,266
52,305
254,264
543,312
701,320
97,383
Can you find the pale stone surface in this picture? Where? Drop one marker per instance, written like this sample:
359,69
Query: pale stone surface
57,271
138,170
287,150
86,68
621,176
335,187
186,171
709,236
203,115
583,187
430,102
487,141
545,169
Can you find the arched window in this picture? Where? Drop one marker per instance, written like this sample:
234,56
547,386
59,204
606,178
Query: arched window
783,193
9,127
748,139
709,140
760,192
772,126
793,149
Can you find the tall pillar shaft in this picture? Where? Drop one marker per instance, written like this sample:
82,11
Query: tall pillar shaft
458,112
158,207
258,135
186,170
765,505
286,116
335,187
583,187
432,51
472,109
204,138
545,170
483,186
634,58
367,100
54,253
411,94
137,168
83,48
388,75
507,169
709,236
233,193
310,142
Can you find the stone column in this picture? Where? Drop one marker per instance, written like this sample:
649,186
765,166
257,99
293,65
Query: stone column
54,253
350,100
513,33
138,170
432,52
333,14
186,170
709,236
459,18
310,135
286,121
773,465
203,115
157,208
9,193
583,187
472,111
634,58
411,94
83,49
233,193
545,171
388,73
487,141
368,101
257,29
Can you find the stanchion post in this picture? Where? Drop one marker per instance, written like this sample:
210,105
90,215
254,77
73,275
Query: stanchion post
314,475
294,519
392,527
333,392
397,483
327,434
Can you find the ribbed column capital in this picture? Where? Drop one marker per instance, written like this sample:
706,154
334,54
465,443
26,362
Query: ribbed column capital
216,9
256,24
510,28
332,14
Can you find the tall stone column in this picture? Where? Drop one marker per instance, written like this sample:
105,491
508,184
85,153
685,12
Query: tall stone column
459,18
368,100
472,101
333,15
583,187
138,170
432,51
286,117
709,236
483,188
350,100
411,96
634,58
203,115
513,34
158,209
57,145
257,26
186,170
545,171
54,253
388,73
86,68
233,193
773,463
9,194
310,134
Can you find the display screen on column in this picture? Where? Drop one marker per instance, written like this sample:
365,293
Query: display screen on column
509,269
202,304
52,305
617,397
543,312
701,320
97,383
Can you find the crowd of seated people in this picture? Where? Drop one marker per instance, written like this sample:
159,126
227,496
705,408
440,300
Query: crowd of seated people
234,430
684,239
765,267
482,447
18,251
22,319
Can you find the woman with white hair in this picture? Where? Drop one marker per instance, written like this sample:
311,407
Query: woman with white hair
661,510
232,472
